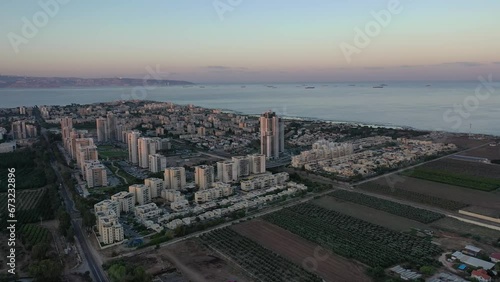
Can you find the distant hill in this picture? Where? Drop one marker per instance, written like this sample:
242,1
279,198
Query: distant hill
55,82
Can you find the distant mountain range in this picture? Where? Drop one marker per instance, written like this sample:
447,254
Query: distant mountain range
55,82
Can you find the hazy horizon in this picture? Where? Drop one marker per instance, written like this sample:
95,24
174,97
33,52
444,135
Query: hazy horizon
252,41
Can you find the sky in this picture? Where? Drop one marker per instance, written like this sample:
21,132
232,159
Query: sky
233,41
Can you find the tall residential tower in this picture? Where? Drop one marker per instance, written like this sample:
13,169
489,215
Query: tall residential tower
272,135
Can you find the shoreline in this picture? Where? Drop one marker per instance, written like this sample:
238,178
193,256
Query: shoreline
299,118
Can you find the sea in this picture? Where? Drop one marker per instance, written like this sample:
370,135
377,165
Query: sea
467,107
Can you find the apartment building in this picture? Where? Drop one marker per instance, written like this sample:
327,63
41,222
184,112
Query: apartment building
204,176
126,201
155,186
175,178
142,193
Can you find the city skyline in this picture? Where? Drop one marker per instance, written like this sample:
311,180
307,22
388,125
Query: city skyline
257,41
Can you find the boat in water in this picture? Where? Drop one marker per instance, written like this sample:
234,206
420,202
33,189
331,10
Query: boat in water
310,87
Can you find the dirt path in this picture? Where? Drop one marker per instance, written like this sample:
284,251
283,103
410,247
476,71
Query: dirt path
116,172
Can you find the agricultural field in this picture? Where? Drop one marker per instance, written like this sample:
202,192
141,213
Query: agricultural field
328,265
411,196
31,235
444,191
371,244
365,213
488,152
468,168
395,208
466,229
187,260
462,142
197,262
31,170
263,264
452,178
31,206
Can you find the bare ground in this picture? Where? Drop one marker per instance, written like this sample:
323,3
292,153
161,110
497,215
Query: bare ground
328,265
198,263
461,194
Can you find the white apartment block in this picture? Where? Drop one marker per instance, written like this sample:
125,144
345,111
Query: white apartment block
155,186
172,195
227,171
272,135
132,140
222,190
257,163
142,193
323,150
204,176
110,230
265,181
179,205
145,147
126,201
107,205
87,153
242,165
157,163
95,174
175,178
146,212
102,129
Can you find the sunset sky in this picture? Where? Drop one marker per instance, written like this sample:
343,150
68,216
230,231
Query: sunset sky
254,41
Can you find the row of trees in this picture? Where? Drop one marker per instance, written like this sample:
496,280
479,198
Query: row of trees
121,271
412,196
350,237
264,264
398,209
467,181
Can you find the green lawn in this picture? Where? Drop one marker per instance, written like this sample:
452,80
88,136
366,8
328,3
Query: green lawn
468,181
112,152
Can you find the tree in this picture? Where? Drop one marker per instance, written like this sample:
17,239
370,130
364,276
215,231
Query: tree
70,235
376,272
88,218
117,272
39,251
64,222
46,270
427,270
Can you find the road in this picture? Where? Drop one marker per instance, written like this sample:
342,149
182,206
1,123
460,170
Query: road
95,268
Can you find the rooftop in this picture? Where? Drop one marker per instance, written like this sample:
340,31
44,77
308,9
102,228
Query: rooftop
473,261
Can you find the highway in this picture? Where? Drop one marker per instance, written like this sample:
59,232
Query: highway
95,268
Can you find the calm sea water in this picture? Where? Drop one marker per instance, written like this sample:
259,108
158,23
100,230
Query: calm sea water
398,104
